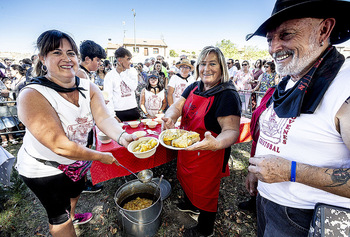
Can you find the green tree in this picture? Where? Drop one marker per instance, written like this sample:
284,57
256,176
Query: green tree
252,52
173,54
228,48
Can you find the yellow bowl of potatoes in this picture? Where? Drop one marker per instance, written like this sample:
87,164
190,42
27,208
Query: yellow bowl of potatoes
143,147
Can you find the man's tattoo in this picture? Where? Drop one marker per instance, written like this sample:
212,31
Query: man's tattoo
338,176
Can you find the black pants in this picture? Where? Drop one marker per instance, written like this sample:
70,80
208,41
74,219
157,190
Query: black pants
206,220
128,115
54,193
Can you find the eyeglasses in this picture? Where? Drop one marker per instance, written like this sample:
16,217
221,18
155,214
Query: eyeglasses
185,67
229,63
266,66
244,64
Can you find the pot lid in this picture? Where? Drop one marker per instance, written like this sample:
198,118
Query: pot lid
165,188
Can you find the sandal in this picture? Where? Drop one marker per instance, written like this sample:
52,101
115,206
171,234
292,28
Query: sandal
80,219
14,142
4,144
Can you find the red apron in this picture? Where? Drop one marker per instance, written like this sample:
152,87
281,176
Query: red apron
200,172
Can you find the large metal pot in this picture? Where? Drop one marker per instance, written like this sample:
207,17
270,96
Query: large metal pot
143,222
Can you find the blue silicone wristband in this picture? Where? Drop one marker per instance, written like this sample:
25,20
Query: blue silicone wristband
293,169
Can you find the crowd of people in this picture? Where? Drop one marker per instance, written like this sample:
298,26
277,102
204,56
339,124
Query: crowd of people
137,95
300,123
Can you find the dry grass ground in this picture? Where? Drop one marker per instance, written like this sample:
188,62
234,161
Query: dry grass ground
21,214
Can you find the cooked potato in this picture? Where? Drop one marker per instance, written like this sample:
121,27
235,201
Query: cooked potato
180,138
146,145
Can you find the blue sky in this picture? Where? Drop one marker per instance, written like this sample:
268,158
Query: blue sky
182,24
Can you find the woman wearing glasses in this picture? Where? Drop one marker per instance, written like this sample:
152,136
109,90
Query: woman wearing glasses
180,81
257,71
266,80
242,81
152,100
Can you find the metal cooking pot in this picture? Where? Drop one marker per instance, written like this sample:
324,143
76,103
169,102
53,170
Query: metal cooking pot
143,222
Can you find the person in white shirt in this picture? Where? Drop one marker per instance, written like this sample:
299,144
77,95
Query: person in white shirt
91,56
232,69
153,100
180,81
120,85
58,110
146,65
303,150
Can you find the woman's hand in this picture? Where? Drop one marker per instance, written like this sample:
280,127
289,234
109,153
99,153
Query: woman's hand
208,143
126,138
108,158
168,123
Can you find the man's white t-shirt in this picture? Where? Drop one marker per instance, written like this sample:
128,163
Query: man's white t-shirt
310,139
121,89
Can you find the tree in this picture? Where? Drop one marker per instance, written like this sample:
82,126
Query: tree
173,54
251,52
228,48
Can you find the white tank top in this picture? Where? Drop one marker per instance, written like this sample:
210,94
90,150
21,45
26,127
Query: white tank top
76,122
153,103
310,139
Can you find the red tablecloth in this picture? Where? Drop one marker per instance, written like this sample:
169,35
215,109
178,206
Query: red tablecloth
101,172
244,129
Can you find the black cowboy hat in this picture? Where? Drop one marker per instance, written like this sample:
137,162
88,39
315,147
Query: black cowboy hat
293,9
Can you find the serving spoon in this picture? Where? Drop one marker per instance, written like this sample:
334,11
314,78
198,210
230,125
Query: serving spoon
144,176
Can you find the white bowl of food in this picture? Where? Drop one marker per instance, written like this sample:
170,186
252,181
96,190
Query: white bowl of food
152,124
134,124
144,121
143,147
159,115
158,120
103,138
140,133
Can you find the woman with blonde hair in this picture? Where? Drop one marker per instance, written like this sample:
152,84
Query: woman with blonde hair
212,108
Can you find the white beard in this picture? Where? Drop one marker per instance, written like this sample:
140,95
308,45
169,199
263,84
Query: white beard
298,65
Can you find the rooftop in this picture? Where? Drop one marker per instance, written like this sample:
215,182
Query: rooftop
148,42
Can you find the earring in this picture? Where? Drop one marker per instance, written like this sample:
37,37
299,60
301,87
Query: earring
43,68
321,44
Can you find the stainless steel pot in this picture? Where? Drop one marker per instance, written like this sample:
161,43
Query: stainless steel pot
143,222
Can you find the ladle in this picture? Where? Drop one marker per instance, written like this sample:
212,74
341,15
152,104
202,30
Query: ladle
143,175
155,191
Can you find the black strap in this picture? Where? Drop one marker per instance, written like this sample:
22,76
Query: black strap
45,162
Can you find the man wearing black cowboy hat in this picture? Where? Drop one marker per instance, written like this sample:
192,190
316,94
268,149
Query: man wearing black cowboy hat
303,150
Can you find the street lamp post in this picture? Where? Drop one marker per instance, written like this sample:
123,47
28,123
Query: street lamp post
133,10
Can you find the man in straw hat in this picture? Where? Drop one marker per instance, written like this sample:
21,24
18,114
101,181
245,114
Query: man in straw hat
303,151
180,81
